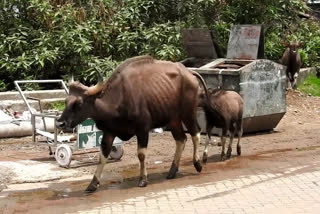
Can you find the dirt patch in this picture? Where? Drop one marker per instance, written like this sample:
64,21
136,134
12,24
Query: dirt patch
299,129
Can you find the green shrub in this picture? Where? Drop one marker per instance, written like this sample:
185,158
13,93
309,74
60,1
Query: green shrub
50,39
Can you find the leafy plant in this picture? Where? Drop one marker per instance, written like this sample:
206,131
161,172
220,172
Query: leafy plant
57,105
50,39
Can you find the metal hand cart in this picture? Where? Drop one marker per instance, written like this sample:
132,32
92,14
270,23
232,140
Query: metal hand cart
84,136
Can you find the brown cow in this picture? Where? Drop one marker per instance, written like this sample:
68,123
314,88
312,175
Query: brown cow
224,110
291,58
142,94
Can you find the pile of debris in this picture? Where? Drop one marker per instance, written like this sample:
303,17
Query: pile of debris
18,124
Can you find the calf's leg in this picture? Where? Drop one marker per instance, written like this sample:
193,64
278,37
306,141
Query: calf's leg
232,130
295,77
223,142
230,145
240,131
105,149
205,152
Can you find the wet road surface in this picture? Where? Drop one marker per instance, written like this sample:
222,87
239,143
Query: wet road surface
284,180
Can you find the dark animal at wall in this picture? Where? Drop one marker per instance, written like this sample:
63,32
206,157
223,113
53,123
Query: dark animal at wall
291,58
223,110
141,94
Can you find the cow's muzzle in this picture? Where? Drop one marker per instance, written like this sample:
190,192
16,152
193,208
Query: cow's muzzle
61,124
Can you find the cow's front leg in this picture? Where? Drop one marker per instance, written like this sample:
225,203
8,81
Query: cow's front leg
295,81
105,149
142,154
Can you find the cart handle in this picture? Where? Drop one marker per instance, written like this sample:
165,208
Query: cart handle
17,82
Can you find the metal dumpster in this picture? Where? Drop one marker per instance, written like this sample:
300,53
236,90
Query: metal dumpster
260,82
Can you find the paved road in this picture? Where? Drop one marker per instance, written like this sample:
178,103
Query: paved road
282,185
275,181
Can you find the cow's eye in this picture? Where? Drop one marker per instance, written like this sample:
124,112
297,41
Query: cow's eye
76,106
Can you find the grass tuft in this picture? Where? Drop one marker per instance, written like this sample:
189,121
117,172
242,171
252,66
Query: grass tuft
58,105
311,85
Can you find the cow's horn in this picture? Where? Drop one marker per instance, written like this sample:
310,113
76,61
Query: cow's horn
95,89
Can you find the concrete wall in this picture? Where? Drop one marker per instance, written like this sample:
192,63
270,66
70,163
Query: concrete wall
304,73
14,102
41,94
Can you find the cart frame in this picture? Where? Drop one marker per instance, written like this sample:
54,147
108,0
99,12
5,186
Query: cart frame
63,152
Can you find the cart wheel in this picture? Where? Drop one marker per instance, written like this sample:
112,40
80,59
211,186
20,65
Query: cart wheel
63,155
117,152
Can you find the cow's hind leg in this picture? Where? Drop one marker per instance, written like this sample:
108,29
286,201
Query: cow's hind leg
180,138
205,152
105,149
142,154
194,129
196,158
232,131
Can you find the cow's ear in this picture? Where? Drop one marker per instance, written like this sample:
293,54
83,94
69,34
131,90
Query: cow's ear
285,44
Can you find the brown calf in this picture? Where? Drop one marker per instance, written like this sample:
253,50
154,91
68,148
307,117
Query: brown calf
291,58
224,110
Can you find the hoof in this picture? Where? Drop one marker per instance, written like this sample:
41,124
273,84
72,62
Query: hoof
93,185
204,158
239,150
197,165
223,157
219,144
143,182
229,153
173,171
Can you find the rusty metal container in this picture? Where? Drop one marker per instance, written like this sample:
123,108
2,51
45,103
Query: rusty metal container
200,47
260,82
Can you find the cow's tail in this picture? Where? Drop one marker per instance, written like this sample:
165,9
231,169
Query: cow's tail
202,82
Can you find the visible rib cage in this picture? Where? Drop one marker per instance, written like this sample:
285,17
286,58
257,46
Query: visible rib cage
159,94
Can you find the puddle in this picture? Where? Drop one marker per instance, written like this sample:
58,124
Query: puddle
32,195
308,148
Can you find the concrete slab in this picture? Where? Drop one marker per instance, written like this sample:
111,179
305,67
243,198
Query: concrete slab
28,171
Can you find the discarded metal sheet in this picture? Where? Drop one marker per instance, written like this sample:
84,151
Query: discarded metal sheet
246,42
